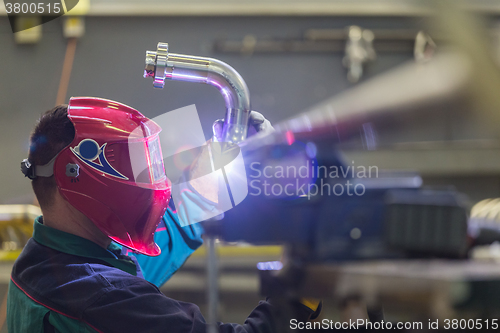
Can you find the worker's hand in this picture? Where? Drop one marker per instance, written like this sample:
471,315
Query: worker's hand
207,186
256,123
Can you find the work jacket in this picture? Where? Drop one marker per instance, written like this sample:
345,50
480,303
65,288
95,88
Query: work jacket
64,283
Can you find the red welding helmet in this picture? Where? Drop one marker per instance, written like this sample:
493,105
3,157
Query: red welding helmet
113,171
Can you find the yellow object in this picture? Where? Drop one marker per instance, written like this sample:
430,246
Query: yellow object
242,251
16,227
73,27
311,303
81,8
29,29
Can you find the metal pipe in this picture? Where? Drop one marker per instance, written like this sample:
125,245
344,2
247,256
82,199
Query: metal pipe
161,65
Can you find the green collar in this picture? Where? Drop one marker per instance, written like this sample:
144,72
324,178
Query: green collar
78,246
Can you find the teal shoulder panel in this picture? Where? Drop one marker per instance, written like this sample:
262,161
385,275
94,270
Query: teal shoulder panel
26,315
65,324
23,314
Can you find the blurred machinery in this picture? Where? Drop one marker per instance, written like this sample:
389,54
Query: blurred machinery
360,46
16,227
384,238
382,242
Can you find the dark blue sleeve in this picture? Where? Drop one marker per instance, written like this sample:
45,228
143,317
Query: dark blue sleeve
177,244
140,307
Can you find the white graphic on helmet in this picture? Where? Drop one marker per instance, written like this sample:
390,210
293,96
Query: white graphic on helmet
88,150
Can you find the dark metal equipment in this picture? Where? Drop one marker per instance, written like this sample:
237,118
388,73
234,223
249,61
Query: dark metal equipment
382,237
397,243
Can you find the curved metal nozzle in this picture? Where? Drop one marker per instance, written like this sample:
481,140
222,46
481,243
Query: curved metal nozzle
161,65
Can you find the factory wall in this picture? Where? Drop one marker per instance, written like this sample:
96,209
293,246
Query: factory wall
109,63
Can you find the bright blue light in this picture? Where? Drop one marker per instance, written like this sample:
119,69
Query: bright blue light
269,266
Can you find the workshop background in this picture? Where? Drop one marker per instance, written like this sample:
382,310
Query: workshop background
452,147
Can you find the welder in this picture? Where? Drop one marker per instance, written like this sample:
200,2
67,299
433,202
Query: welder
74,275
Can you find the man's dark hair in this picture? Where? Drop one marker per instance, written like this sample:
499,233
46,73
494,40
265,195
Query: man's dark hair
53,132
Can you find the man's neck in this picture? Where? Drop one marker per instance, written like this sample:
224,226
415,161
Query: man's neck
62,216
